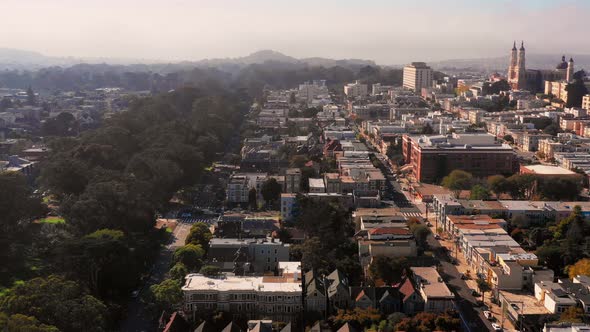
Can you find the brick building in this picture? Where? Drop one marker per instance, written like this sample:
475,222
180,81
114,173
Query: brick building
433,157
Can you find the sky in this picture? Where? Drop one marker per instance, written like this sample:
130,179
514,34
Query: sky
387,31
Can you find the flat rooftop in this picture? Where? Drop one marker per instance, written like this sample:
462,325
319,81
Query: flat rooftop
198,282
525,301
548,170
433,286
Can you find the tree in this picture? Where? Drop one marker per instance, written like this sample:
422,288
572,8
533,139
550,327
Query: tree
271,190
57,302
200,234
572,315
167,294
23,323
457,180
557,189
357,316
575,92
31,98
391,270
190,255
252,204
420,232
18,208
427,129
479,192
483,287
499,86
582,267
178,271
521,186
210,270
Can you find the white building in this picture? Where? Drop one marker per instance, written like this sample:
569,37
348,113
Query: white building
276,298
355,90
417,76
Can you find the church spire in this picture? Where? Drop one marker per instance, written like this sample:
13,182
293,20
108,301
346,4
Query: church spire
514,46
522,45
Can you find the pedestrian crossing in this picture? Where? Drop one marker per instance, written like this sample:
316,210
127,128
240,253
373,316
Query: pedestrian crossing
412,214
208,221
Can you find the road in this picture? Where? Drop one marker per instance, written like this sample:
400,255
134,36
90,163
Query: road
138,318
467,306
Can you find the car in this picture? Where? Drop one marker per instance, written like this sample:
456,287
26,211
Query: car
428,224
474,293
496,327
436,237
487,314
135,294
514,306
463,276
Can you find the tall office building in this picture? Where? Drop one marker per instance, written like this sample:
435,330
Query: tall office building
417,76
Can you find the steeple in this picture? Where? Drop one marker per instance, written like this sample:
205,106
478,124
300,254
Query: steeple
514,46
522,45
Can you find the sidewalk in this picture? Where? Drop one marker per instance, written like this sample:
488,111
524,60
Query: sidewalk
463,267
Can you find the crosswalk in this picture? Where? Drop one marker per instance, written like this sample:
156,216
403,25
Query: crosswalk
208,221
412,214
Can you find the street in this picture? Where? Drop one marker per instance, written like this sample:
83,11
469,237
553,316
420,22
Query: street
138,319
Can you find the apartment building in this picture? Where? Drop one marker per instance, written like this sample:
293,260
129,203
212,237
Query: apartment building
277,298
434,157
355,90
436,295
248,255
586,102
293,180
417,75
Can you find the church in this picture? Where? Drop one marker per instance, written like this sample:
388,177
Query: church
533,80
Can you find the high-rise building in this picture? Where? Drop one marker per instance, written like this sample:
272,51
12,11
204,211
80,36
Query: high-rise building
417,76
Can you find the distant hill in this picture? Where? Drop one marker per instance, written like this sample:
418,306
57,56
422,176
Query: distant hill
533,61
28,60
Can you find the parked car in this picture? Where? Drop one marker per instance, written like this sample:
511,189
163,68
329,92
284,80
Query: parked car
463,276
436,237
135,294
428,224
496,327
487,314
514,306
474,293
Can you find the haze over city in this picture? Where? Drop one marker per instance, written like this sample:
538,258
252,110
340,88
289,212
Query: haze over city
389,32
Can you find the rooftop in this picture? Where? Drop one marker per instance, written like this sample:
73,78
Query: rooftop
432,284
198,282
548,170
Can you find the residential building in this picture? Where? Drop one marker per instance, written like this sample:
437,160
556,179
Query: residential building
417,75
436,295
586,102
355,90
277,298
433,157
247,255
293,180
316,185
563,294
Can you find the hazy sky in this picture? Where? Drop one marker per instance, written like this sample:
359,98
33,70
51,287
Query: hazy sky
387,31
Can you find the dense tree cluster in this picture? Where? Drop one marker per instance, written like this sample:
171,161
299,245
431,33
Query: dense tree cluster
108,184
328,246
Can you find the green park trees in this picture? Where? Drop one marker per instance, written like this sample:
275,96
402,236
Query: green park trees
58,302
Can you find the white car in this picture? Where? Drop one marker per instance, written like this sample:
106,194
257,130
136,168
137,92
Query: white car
487,314
496,327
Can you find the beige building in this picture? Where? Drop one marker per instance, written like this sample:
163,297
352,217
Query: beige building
586,102
557,89
417,76
433,290
278,298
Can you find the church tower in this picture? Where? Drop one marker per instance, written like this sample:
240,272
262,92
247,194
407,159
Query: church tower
521,68
512,74
570,70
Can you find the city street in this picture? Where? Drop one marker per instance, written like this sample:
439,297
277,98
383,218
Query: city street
138,319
